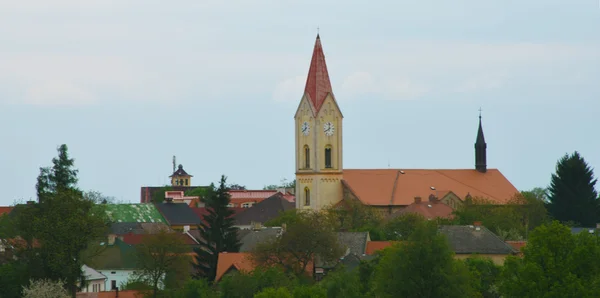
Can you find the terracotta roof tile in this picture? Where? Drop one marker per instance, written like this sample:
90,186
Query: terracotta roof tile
239,260
374,246
318,84
390,187
429,210
5,210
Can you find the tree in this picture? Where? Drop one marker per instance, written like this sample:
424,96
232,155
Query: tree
426,264
273,293
45,288
282,184
246,284
308,236
236,187
402,226
158,255
99,198
484,276
217,232
61,176
571,193
555,263
538,193
355,216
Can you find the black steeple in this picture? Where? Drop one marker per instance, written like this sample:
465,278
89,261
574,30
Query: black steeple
480,149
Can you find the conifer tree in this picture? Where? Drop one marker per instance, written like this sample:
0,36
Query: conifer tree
217,231
571,195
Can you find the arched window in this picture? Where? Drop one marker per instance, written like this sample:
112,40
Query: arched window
176,182
306,157
328,156
186,182
306,196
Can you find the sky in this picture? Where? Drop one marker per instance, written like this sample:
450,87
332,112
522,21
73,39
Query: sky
129,84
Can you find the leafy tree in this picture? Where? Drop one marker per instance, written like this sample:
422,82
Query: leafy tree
283,184
195,288
45,288
484,276
357,217
555,263
537,193
402,226
246,284
571,193
236,187
217,232
310,235
306,291
287,217
99,198
427,265
274,293
157,256
13,276
342,284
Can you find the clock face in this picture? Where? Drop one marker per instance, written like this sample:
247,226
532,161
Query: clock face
305,128
328,129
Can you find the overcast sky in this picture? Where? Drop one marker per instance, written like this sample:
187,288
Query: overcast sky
128,84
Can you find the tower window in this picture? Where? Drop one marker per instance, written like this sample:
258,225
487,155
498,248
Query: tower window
176,182
328,156
181,182
306,196
306,157
186,182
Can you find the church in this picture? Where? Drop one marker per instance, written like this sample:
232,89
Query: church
322,181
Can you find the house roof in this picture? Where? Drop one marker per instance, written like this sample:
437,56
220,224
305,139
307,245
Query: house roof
135,239
119,256
517,245
318,84
91,274
428,209
239,260
355,242
146,192
5,210
252,238
112,294
143,212
374,246
468,240
180,172
264,210
251,194
384,187
201,211
178,214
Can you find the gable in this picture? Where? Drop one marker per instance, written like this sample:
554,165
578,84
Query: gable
330,107
397,187
305,105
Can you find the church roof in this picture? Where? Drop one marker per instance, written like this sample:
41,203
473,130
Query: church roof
318,84
390,187
180,172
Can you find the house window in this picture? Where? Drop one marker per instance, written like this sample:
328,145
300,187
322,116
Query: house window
247,205
328,156
230,205
306,157
186,182
306,196
113,284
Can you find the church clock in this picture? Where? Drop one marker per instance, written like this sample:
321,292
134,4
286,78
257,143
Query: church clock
328,129
305,128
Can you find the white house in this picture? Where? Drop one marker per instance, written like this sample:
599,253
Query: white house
94,280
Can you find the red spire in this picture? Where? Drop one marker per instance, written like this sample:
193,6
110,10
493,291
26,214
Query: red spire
317,83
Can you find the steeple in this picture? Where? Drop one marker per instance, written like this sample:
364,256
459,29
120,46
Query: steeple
480,149
317,82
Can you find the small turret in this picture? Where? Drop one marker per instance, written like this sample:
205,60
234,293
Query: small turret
180,177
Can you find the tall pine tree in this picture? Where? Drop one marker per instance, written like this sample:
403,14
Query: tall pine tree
217,231
571,195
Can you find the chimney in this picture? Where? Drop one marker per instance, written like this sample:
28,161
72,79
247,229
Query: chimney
111,239
432,198
169,200
417,200
477,225
186,229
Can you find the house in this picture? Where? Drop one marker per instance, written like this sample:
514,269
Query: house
179,196
247,198
249,239
431,209
233,262
94,280
375,246
121,228
355,247
116,261
133,213
263,211
180,217
322,181
202,211
467,241
136,239
5,210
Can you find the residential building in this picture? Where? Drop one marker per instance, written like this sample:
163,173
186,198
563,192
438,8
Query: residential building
94,280
322,181
180,217
263,211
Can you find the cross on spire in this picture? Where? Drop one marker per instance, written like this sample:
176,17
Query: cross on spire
479,112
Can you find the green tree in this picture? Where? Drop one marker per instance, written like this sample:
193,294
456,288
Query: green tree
402,226
571,194
555,263
273,293
342,284
217,232
310,235
61,176
159,255
99,198
426,265
355,216
246,284
484,276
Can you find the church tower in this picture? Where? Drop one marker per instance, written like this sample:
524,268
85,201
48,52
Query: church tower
318,131
480,150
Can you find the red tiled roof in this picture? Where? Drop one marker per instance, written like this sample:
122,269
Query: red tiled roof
374,246
516,244
429,210
135,239
5,210
390,187
241,261
318,84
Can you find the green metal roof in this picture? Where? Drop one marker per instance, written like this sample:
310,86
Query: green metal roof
143,212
